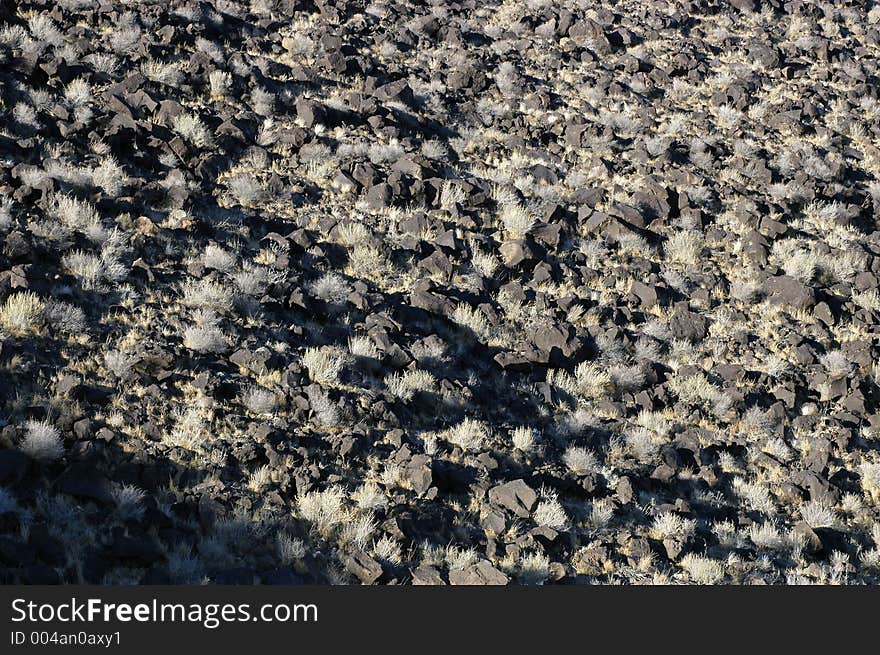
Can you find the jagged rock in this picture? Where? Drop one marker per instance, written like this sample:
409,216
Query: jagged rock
418,473
84,481
515,496
647,294
516,254
481,573
786,290
427,575
687,325
362,566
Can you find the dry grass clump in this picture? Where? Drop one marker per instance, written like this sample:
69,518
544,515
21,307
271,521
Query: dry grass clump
699,390
405,385
363,347
703,570
589,382
517,220
218,258
22,313
129,501
549,512
580,460
65,317
673,526
819,514
207,294
870,479
331,287
469,435
684,247
259,401
472,319
191,128
207,338
109,176
524,438
91,269
324,364
78,91
42,441
259,479
220,82
323,509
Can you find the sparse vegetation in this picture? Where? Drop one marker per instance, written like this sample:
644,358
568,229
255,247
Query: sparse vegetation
596,304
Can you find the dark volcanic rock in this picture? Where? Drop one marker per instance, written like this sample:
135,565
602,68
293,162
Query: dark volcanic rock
785,290
84,481
362,566
515,496
688,325
481,573
431,293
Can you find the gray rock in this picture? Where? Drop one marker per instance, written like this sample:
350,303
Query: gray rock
516,254
547,337
481,573
688,325
254,361
310,112
516,496
398,91
786,290
362,566
418,473
84,481
647,294
379,196
427,575
432,302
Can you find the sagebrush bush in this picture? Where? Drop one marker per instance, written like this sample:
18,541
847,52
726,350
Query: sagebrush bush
78,91
330,287
65,317
473,319
517,220
580,461
129,501
524,438
363,346
324,509
205,339
549,513
218,258
259,401
702,570
405,385
684,247
42,441
469,435
207,294
673,526
22,313
221,83
323,364
191,128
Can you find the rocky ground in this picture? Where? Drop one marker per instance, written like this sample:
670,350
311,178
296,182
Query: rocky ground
404,293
